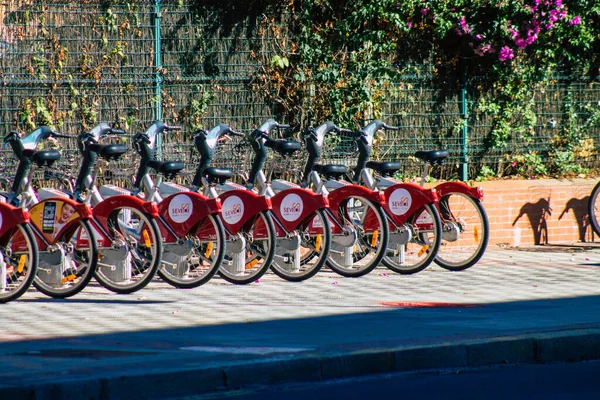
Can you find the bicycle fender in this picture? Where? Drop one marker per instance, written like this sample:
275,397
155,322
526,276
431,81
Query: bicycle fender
183,211
340,194
239,206
293,206
402,200
54,216
11,216
106,206
459,187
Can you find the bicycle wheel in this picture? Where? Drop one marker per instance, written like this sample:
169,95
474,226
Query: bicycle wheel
415,247
66,267
18,262
249,253
304,254
195,260
133,257
359,248
465,232
594,208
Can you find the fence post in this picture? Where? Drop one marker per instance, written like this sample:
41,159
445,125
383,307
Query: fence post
464,134
158,74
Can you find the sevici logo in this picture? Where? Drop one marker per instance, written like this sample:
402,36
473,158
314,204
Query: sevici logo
400,201
291,207
232,209
180,208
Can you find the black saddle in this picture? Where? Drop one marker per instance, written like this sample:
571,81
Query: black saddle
284,147
432,157
331,171
109,151
45,158
217,175
384,168
167,168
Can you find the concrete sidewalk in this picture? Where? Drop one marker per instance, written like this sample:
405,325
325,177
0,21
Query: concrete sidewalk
515,306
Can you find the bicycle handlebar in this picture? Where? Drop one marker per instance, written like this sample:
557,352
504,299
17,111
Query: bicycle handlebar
390,128
63,135
236,133
173,128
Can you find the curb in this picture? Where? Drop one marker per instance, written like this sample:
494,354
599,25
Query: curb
194,379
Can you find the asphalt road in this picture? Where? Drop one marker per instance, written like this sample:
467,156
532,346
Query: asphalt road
546,381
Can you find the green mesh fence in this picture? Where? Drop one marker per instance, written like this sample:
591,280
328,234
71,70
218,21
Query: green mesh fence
75,64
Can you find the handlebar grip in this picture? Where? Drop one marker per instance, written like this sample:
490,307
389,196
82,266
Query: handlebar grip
283,126
391,128
344,130
117,131
64,135
236,133
172,127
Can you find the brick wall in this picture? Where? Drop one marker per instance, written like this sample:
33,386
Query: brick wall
546,211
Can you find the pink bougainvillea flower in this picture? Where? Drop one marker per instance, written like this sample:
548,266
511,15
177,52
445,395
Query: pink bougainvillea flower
575,21
520,42
506,53
424,11
531,39
486,48
463,25
514,163
409,24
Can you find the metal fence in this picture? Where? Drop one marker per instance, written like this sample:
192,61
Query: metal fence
74,64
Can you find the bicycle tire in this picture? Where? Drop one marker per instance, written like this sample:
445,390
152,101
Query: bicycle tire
261,252
144,251
592,207
314,248
420,251
362,263
73,273
211,252
469,231
22,271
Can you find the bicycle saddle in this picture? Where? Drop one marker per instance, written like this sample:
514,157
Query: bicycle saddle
432,157
331,171
384,168
109,151
45,157
217,175
168,168
284,147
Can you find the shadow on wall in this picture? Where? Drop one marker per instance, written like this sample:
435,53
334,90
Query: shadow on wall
579,207
537,213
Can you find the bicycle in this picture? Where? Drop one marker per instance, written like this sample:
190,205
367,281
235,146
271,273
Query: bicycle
67,260
358,223
464,223
249,228
592,207
19,256
300,215
190,223
124,226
